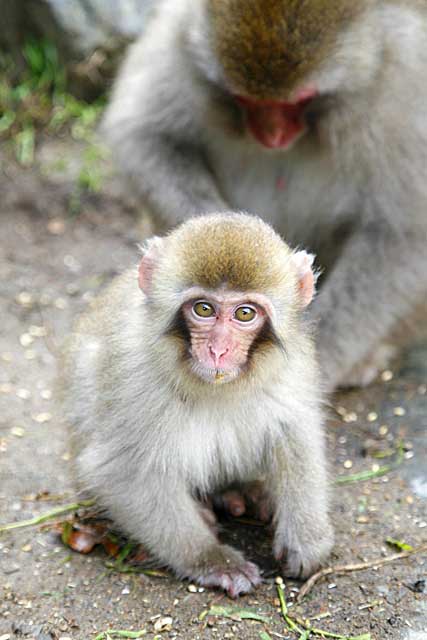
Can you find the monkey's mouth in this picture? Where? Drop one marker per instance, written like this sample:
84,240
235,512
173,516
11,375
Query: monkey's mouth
214,376
276,125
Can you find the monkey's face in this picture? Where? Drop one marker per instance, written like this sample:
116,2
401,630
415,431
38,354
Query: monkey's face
270,55
222,328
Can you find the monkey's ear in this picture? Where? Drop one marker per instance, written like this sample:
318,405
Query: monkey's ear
306,275
152,252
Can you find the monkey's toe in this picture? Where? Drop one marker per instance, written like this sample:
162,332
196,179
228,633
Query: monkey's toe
224,567
234,580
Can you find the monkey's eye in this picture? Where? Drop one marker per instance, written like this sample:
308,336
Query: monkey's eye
204,309
245,314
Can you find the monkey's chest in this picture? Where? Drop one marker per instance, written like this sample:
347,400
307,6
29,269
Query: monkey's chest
214,450
302,193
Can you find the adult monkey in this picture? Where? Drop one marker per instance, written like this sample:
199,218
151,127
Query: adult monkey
310,113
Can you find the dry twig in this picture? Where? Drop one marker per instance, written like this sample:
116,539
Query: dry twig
361,566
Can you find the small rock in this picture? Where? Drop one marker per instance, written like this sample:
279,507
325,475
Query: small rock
25,339
23,394
18,432
372,416
37,331
41,418
163,624
399,411
25,299
56,226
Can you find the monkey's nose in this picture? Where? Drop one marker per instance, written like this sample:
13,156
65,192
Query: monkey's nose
217,353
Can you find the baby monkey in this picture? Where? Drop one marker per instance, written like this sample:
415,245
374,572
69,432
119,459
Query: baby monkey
192,375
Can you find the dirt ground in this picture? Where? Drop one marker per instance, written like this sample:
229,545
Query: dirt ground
51,264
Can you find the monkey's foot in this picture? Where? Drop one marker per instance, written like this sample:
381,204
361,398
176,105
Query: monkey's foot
365,372
303,561
249,499
224,567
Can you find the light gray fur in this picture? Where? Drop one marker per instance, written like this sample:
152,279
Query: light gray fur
148,439
356,186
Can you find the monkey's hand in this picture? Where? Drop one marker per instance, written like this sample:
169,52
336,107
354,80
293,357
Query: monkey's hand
224,567
301,557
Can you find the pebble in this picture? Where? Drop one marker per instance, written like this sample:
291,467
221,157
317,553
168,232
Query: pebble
18,432
25,299
348,464
386,376
46,394
26,340
362,520
60,303
383,430
192,588
37,331
56,226
399,411
26,548
23,394
350,417
163,624
72,264
372,416
41,418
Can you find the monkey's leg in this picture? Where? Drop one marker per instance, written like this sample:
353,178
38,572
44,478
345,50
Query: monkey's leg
298,487
378,281
174,528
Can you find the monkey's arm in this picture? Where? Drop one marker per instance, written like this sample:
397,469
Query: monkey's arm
379,279
172,525
299,483
155,127
298,486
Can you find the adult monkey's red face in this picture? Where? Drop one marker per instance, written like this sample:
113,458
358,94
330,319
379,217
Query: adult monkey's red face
277,123
269,51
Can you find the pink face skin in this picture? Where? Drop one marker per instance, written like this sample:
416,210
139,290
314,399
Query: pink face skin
220,342
274,123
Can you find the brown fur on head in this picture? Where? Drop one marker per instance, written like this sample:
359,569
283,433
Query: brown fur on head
267,46
238,251
226,252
